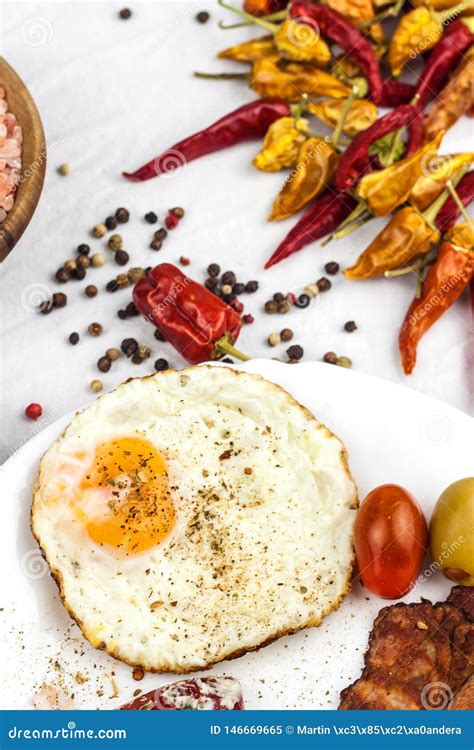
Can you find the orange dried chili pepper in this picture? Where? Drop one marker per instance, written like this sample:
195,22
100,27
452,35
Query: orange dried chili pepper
417,32
454,100
445,281
281,144
316,164
387,189
407,236
248,52
428,187
291,81
442,5
360,116
462,234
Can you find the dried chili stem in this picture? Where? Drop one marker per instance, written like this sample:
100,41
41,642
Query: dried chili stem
271,27
280,16
352,228
225,346
432,211
391,12
222,76
419,283
335,138
458,202
414,268
360,209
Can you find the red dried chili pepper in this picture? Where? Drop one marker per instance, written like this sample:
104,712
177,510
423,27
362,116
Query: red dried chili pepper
321,218
339,30
264,7
445,281
245,123
455,40
196,322
356,158
415,133
450,211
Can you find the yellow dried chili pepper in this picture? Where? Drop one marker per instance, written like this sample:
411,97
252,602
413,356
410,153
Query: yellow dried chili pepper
406,237
291,81
361,115
250,51
417,32
354,11
427,188
301,42
462,234
454,100
316,164
386,190
281,144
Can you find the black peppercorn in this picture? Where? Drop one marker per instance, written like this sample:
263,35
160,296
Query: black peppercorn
238,289
271,307
161,364
151,217
213,270
46,307
295,351
136,359
324,284
83,261
125,14
350,326
203,16
83,249
156,244
228,278
104,364
160,234
112,286
79,273
279,297
228,361
111,222
251,287
121,257
122,314
129,347
74,338
91,290
131,310
59,299
211,283
158,335
62,275
331,268
286,334
330,358
122,215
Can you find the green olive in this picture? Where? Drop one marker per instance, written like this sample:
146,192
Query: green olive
452,532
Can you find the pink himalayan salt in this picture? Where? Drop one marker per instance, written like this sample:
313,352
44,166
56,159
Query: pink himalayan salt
11,138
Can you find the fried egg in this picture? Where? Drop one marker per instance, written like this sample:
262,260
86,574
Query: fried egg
192,516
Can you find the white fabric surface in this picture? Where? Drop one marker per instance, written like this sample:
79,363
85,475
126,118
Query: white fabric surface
112,94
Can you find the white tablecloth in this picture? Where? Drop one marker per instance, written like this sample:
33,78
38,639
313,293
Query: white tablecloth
112,94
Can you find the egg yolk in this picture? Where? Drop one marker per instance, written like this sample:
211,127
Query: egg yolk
137,512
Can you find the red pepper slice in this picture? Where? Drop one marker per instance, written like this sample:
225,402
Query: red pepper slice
196,322
249,122
196,694
445,281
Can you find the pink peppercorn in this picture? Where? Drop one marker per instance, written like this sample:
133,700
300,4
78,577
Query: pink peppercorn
238,306
171,221
248,319
33,411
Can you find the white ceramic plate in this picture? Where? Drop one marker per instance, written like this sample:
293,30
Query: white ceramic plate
392,434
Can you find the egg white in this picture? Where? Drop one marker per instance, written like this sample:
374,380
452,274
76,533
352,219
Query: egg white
262,542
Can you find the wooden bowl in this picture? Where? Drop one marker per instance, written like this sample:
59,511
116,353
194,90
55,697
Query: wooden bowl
33,157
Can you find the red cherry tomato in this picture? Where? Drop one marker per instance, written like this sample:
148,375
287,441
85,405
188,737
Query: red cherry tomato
390,539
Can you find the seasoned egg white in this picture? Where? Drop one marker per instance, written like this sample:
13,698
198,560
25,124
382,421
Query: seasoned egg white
190,516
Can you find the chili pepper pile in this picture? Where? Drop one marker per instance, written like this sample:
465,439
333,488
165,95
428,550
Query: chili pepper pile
370,166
